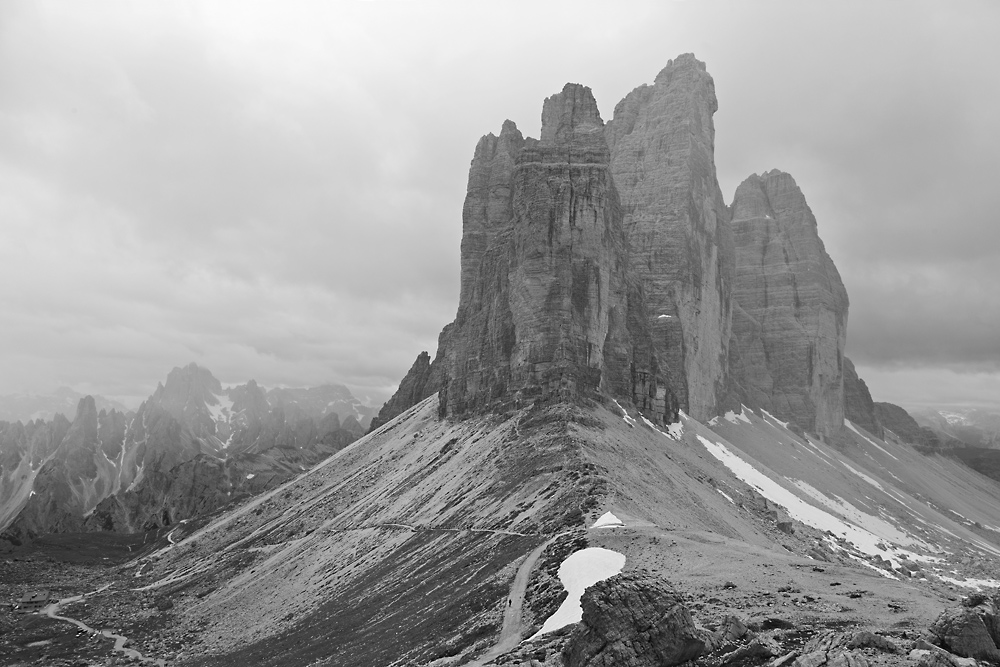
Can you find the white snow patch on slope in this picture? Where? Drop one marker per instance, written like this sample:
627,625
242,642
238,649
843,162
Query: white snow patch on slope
797,508
970,583
250,475
863,476
774,419
674,431
581,569
608,520
625,416
849,425
221,411
734,418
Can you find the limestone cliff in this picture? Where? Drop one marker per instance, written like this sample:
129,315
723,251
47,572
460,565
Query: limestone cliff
662,143
548,308
790,323
858,404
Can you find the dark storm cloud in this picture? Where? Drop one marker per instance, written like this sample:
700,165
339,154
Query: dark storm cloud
276,192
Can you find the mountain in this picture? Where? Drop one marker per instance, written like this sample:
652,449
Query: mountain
64,401
638,443
662,142
790,312
190,448
317,402
975,427
547,426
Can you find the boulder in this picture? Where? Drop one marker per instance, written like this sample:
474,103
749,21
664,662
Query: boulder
963,632
633,620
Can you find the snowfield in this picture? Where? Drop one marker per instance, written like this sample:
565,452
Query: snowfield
581,569
608,520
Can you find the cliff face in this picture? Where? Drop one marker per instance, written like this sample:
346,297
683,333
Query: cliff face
790,326
603,257
858,404
662,143
548,308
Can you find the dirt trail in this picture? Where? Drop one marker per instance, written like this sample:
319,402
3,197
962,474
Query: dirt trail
510,634
52,612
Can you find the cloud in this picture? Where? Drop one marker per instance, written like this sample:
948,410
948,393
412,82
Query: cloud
276,192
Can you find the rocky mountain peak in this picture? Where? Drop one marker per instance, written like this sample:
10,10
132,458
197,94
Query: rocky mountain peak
790,321
662,142
571,117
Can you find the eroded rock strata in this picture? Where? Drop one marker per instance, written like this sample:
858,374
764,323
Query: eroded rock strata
858,404
548,307
790,326
662,143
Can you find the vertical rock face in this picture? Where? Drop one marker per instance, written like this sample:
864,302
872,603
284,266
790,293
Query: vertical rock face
548,308
662,143
790,326
548,314
858,404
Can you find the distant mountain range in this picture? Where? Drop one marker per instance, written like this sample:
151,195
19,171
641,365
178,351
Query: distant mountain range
62,401
975,427
189,448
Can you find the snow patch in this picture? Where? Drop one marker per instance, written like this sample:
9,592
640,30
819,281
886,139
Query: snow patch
664,317
221,411
864,540
870,441
625,415
734,418
581,569
970,583
774,419
674,431
863,476
250,475
608,520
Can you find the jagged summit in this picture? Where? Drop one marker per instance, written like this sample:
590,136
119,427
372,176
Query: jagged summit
662,142
572,117
548,307
790,318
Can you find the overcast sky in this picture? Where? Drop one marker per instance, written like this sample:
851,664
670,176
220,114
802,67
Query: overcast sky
274,190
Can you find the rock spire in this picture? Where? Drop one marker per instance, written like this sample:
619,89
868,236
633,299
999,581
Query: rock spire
790,325
662,142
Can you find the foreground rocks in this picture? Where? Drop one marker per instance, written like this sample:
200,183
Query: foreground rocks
633,620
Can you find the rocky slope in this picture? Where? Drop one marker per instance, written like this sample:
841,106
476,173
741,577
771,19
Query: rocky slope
190,448
790,326
662,142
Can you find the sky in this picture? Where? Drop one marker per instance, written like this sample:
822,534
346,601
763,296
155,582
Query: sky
274,190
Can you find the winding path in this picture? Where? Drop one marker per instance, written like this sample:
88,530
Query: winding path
52,612
510,634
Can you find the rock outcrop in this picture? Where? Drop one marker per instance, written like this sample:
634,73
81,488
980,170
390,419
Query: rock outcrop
635,620
894,418
859,407
970,632
603,257
548,307
662,142
790,318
